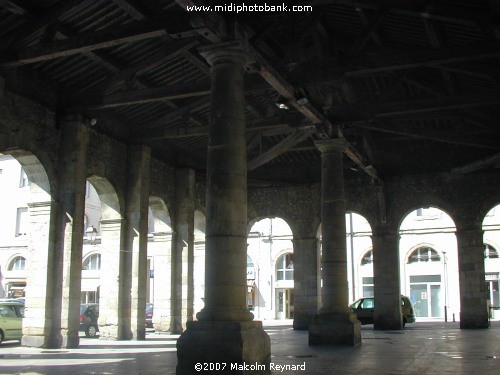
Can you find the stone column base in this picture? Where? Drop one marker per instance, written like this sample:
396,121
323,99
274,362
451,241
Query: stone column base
302,321
230,347
335,329
41,341
473,321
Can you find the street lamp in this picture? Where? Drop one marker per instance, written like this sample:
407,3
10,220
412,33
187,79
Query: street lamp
91,233
445,276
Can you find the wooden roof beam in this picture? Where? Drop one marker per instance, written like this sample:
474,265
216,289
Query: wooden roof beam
476,165
330,70
433,135
147,95
280,148
106,38
368,111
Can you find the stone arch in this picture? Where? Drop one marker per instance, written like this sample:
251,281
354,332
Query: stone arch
160,262
491,241
432,281
438,204
199,260
110,247
42,259
111,207
278,213
267,240
162,222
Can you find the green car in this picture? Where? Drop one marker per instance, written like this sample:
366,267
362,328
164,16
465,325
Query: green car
11,321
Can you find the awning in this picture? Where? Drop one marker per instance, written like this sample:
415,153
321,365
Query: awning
250,285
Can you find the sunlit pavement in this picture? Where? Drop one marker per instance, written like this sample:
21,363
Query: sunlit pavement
422,348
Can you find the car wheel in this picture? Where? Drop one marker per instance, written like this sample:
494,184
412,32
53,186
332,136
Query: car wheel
1,337
91,331
404,322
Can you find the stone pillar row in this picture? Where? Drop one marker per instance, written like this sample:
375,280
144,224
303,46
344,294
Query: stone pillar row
54,281
473,293
306,281
386,273
335,324
225,332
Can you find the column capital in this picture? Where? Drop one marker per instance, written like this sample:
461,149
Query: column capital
232,53
331,145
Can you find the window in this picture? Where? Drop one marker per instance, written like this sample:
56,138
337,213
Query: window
17,264
24,179
92,263
428,213
284,267
87,189
490,252
368,303
424,254
367,258
22,221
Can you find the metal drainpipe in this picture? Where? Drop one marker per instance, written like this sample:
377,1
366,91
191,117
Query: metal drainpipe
351,235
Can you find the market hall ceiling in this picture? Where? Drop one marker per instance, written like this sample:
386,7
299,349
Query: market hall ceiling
412,86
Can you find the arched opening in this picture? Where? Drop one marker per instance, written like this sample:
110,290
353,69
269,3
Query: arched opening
91,273
199,260
358,247
491,239
158,290
269,242
27,261
102,247
92,242
429,263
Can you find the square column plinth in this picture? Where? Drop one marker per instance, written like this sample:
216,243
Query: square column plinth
335,329
234,347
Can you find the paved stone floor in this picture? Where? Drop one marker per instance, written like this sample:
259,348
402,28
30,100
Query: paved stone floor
422,348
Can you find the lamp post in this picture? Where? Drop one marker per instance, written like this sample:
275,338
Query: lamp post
91,233
445,276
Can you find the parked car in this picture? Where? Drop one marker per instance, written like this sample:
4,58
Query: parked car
11,320
149,315
89,314
364,309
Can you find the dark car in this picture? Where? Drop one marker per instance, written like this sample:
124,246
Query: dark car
364,309
149,315
89,314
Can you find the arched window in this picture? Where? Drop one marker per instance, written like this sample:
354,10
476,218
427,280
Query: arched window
284,267
17,264
249,262
92,263
367,258
490,252
424,254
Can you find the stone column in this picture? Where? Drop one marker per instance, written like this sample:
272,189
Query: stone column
336,324
135,272
111,321
162,283
473,293
225,332
387,286
305,281
183,251
41,328
72,178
